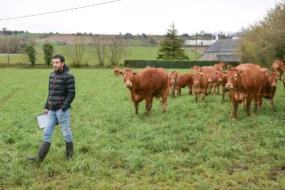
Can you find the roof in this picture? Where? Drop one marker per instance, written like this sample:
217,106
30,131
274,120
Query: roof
228,45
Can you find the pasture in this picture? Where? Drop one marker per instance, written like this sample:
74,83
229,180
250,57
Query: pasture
132,53
191,146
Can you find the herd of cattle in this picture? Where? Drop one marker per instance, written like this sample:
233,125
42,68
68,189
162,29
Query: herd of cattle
245,83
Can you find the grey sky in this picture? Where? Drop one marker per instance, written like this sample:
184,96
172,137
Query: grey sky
135,16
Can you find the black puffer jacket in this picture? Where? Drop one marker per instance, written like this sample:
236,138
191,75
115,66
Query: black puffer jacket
61,89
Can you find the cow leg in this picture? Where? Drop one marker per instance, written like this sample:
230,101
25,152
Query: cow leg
248,102
136,107
235,106
204,94
215,88
190,88
224,92
148,104
218,89
178,91
259,102
164,102
196,96
271,103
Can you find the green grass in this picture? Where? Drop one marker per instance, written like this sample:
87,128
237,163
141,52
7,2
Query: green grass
133,52
191,146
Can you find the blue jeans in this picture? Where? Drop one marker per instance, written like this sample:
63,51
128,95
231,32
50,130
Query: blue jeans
61,117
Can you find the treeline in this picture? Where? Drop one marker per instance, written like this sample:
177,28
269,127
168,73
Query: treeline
14,44
264,41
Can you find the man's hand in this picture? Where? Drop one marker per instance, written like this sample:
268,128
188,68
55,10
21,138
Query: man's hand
46,111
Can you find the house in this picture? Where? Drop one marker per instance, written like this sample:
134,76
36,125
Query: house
221,50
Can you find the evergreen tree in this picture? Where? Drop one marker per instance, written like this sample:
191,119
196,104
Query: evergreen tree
171,47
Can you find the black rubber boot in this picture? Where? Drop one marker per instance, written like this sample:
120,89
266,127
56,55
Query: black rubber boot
42,152
69,150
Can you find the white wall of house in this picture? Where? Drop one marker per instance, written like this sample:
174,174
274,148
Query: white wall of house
199,42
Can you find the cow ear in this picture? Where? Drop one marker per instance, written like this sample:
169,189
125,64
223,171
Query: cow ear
121,73
240,73
134,73
201,69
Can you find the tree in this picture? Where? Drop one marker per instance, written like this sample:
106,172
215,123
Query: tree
31,52
101,50
116,49
264,41
48,52
171,46
76,50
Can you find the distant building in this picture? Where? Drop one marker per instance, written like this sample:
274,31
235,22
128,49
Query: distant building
221,50
200,42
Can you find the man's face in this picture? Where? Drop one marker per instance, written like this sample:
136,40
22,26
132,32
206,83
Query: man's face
57,65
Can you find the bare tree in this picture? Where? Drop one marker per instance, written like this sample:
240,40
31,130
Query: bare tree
75,52
117,50
101,50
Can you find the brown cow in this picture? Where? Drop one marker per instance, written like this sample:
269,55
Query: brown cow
196,68
269,87
172,82
244,82
181,81
116,71
278,67
146,84
219,66
200,84
224,82
229,67
216,79
208,70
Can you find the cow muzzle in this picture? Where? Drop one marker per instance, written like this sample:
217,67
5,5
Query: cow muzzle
273,84
229,85
197,82
128,84
220,80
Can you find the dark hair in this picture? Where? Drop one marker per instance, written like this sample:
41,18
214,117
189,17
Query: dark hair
60,57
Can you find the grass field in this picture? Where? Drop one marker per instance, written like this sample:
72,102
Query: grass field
191,146
133,53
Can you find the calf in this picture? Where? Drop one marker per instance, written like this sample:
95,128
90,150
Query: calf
268,88
278,67
208,71
200,84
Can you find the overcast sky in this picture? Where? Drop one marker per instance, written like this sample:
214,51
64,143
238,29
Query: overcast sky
135,16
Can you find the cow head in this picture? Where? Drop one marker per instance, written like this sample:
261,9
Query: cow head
197,78
128,77
273,78
196,68
234,78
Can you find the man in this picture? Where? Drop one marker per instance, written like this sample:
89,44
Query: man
60,96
